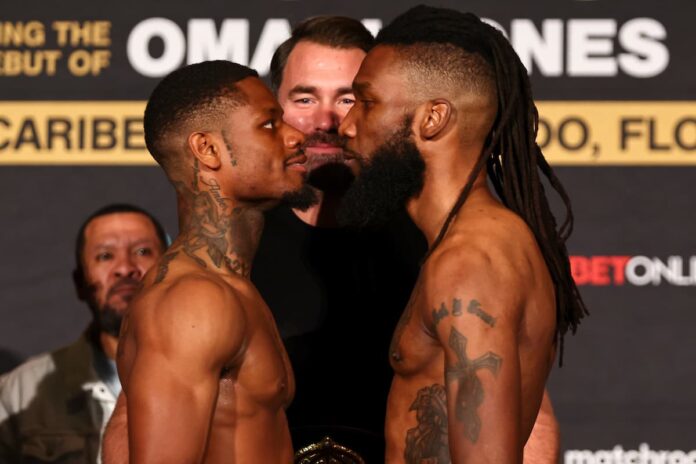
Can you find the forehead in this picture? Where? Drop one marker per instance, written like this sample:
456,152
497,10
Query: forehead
257,93
311,63
381,72
115,227
259,100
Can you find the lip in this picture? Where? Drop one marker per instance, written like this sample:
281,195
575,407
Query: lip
322,145
322,149
124,289
297,159
297,163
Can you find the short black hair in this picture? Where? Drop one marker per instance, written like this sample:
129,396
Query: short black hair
332,31
104,211
510,154
194,91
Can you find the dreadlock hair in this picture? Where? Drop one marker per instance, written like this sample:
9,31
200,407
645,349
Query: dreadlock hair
511,155
200,92
333,31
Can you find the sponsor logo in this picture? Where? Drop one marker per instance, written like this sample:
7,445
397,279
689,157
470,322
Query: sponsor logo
600,271
643,455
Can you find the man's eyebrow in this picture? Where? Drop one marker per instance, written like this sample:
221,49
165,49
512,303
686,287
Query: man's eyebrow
344,90
272,111
361,86
303,89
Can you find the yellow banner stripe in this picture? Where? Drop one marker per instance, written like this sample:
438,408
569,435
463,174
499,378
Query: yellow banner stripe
571,133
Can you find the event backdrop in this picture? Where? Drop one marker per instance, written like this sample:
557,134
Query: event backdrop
615,84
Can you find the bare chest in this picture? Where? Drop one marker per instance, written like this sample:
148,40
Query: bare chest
413,349
263,377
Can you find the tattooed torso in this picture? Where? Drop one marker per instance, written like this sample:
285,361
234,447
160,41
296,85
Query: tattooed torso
417,422
256,383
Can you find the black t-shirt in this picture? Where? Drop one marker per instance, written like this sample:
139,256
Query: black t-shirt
337,294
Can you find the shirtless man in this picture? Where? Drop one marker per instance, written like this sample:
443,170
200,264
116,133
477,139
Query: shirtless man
441,97
204,372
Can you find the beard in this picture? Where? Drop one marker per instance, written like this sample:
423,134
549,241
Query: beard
107,317
109,320
327,172
394,175
301,199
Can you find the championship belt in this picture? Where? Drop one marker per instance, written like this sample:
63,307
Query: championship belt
327,452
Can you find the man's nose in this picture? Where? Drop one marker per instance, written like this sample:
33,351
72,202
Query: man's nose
347,127
127,267
326,119
293,138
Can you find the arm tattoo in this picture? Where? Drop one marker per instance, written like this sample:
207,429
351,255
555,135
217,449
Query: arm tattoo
469,388
474,308
427,441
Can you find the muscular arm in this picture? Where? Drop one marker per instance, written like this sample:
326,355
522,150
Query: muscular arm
182,346
476,322
543,445
115,444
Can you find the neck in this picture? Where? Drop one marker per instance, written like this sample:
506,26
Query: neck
109,344
217,232
322,214
443,183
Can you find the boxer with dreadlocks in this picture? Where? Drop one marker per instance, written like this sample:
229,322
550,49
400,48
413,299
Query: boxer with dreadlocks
442,104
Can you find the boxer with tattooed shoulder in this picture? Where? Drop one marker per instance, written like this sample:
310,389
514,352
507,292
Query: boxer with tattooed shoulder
205,376
443,106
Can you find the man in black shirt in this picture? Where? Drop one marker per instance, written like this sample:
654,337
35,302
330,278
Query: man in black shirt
336,293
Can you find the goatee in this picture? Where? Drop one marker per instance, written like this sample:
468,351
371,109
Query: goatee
300,199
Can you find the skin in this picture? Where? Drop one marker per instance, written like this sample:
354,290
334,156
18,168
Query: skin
475,344
116,246
316,95
205,376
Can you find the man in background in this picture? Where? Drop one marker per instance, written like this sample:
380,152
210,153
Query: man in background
337,292
55,405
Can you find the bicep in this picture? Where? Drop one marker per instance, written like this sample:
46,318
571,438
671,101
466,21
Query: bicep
482,381
173,382
115,443
169,409
543,445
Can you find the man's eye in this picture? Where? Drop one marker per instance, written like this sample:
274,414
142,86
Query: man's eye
143,252
270,124
105,256
303,101
347,101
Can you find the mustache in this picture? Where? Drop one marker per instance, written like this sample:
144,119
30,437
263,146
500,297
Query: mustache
319,137
123,282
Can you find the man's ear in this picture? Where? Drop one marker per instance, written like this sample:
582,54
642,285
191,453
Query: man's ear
205,148
435,118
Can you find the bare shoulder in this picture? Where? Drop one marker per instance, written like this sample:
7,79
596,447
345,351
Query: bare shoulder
479,264
191,308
